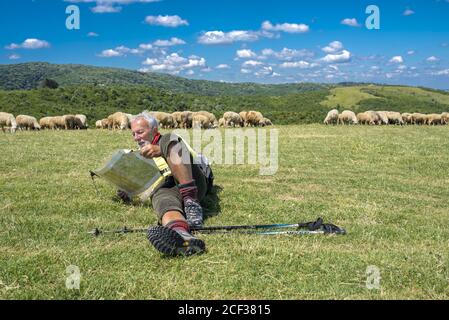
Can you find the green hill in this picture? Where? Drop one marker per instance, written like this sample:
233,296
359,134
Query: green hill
98,92
31,75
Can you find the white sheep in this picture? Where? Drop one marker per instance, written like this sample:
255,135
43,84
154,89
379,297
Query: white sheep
332,117
27,122
7,120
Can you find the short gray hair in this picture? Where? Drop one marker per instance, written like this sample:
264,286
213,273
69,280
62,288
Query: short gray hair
147,117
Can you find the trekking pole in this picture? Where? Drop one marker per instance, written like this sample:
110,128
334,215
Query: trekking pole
315,226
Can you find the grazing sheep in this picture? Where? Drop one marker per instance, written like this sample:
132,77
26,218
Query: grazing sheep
382,117
433,119
118,120
347,117
164,119
418,118
375,119
99,124
81,121
186,119
253,118
265,122
221,123
232,119
106,124
47,123
407,118
7,120
58,122
445,118
365,118
332,117
395,118
177,118
130,119
210,116
200,121
70,121
27,122
243,115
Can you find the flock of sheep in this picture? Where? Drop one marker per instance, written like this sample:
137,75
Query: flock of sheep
122,121
188,119
385,117
24,122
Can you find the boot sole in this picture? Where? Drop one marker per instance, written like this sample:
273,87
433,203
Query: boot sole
170,243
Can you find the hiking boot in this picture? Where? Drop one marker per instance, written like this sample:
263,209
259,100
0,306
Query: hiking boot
194,213
175,242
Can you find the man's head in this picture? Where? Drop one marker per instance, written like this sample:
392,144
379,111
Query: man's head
144,128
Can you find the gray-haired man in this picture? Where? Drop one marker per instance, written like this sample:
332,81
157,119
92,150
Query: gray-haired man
177,201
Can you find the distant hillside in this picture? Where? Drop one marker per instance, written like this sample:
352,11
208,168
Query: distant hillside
98,92
30,75
397,98
98,102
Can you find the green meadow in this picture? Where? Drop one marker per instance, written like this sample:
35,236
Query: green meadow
388,186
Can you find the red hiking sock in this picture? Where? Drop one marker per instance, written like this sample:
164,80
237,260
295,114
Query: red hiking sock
180,225
189,190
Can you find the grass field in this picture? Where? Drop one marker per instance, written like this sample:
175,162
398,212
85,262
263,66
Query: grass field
388,186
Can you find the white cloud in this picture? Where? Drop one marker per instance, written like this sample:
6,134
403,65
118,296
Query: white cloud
245,71
251,63
145,46
166,21
169,43
344,56
287,54
444,72
190,73
220,37
206,69
333,47
119,52
14,57
222,66
397,59
245,53
285,27
432,59
110,53
109,6
173,63
105,8
149,61
350,22
411,52
298,64
92,34
265,71
408,12
29,44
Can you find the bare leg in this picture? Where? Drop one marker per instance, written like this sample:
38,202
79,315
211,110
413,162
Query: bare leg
182,172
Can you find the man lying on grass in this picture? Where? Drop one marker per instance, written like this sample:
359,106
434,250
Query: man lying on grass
177,200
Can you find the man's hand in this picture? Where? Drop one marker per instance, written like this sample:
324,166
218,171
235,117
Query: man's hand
124,196
150,151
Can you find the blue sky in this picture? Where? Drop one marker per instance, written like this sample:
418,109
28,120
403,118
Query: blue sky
263,41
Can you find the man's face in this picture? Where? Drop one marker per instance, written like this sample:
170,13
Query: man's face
142,132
